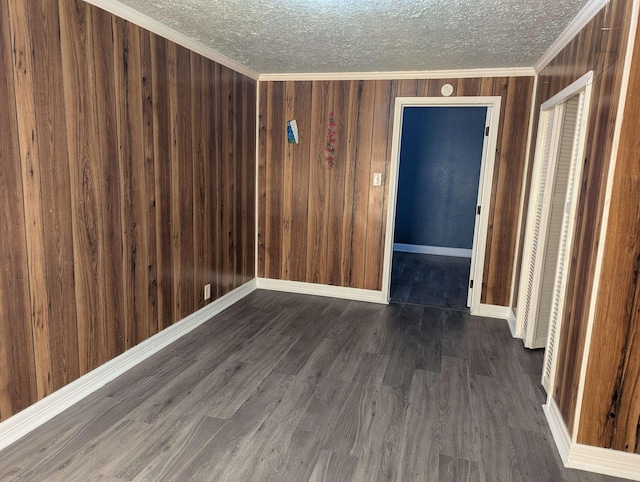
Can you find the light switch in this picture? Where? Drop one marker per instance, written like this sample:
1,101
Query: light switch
377,179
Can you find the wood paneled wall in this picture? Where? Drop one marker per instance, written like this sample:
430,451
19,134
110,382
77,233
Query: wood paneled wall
127,167
610,415
600,47
326,225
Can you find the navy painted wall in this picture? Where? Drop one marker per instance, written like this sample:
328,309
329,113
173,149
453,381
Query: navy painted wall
440,156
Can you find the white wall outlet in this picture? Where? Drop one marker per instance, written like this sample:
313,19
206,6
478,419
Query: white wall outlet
377,179
207,291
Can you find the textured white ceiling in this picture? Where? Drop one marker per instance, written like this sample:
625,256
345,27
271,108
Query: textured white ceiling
309,36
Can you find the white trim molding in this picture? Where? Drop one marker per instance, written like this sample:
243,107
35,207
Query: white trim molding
398,75
585,15
30,418
141,20
492,104
492,311
330,291
435,250
512,320
558,429
585,457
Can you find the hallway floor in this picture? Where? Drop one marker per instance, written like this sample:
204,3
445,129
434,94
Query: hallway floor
424,279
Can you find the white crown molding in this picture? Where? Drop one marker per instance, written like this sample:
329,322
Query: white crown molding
399,75
356,294
434,250
581,20
131,15
585,457
30,418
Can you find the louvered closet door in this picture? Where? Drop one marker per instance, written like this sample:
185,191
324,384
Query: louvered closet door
556,303
538,332
529,283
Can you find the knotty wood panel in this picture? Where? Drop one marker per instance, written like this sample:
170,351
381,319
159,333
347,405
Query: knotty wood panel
126,184
611,404
323,225
600,47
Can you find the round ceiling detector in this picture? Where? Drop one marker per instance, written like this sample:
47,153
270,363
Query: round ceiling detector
447,90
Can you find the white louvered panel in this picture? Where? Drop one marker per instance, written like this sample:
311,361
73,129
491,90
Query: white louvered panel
557,303
529,294
559,184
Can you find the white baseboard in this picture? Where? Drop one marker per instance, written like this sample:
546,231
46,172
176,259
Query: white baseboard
25,421
558,429
512,323
435,250
357,294
615,463
492,311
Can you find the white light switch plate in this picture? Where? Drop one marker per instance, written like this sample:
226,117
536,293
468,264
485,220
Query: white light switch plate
377,179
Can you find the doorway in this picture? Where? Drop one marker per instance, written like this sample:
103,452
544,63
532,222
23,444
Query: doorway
407,109
440,156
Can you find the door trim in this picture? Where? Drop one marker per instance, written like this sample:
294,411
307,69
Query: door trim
492,103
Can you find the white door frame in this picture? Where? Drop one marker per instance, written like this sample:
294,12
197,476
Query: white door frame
492,103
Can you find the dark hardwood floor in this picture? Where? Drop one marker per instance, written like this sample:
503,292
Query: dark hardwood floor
293,388
425,279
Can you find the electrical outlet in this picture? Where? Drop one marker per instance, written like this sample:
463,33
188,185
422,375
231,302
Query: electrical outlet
207,292
377,179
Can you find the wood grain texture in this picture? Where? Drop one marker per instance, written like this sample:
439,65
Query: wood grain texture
217,404
610,415
600,47
114,214
333,216
17,356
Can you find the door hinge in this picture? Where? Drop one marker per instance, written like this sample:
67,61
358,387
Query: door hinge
486,131
471,283
479,209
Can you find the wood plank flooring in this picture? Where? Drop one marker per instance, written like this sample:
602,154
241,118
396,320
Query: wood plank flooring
298,388
425,279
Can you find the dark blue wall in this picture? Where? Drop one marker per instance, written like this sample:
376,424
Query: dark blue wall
440,157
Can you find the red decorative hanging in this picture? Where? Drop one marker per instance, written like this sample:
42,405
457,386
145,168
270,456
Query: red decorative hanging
331,141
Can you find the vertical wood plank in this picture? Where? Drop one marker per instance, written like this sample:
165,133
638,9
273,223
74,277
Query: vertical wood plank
110,173
274,149
376,216
163,191
238,174
17,358
80,102
299,212
120,56
337,183
362,183
226,90
185,181
148,195
317,232
263,125
199,182
218,129
287,184
32,192
249,186
56,196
